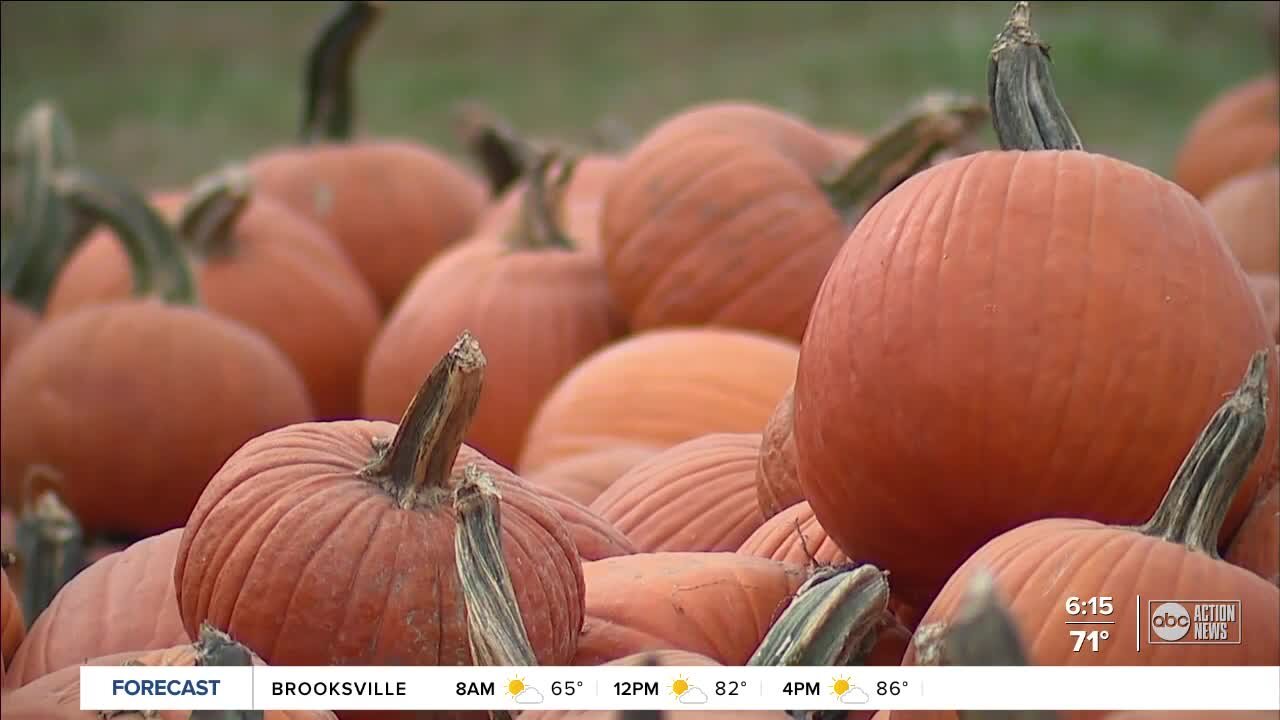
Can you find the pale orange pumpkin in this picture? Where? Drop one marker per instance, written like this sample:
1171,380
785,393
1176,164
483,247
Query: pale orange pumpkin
124,602
660,388
777,481
1237,132
1256,546
794,536
583,477
1246,210
698,496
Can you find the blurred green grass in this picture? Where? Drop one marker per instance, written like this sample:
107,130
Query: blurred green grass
162,91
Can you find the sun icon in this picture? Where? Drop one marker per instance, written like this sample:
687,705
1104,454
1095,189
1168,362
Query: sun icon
515,686
840,685
680,686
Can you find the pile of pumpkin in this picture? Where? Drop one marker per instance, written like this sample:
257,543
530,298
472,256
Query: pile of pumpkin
749,391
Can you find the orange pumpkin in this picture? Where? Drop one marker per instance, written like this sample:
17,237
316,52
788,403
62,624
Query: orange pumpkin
1267,288
940,399
259,263
13,628
658,389
595,537
715,604
537,303
1246,212
1256,546
19,324
731,215
698,496
794,536
378,510
1237,132
57,696
137,402
1037,566
583,477
777,485
127,599
393,204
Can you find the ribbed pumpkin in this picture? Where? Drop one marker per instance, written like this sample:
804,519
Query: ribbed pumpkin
1246,212
595,537
13,628
124,602
997,341
777,484
259,263
57,696
1237,132
716,604
794,536
659,388
727,221
537,303
583,477
1256,546
137,402
698,496
342,542
393,204
1174,555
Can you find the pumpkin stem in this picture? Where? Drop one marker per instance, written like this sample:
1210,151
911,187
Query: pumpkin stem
495,146
1025,110
51,545
834,619
494,624
934,123
209,216
416,465
159,265
984,634
47,231
215,648
1194,508
538,226
329,110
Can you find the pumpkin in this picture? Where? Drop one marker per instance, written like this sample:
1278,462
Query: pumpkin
698,496
124,602
1237,132
721,221
583,477
595,537
794,536
259,263
1267,288
45,232
1245,210
13,628
392,204
715,604
777,485
137,402
942,400
343,543
57,696
1173,555
659,388
1256,546
539,305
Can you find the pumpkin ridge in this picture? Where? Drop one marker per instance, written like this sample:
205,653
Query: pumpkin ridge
380,514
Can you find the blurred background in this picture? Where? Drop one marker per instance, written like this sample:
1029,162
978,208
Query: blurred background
162,91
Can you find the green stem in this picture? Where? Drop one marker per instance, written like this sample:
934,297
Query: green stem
495,146
50,547
833,620
47,231
159,265
494,624
1195,506
538,225
1025,109
207,223
936,122
215,648
415,467
328,114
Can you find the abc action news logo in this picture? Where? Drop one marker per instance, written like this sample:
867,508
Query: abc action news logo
1194,622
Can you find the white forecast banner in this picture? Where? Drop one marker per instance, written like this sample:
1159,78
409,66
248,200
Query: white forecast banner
613,687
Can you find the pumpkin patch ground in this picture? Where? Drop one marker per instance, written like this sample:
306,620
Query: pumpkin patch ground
635,336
